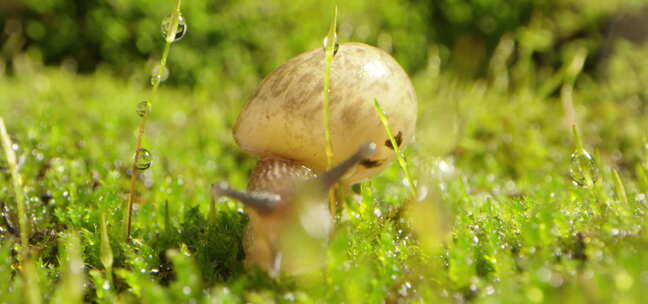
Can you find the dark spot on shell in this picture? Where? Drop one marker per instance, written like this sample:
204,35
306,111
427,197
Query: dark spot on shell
380,86
411,96
276,86
256,93
371,163
315,89
349,115
277,79
306,79
398,138
336,95
281,86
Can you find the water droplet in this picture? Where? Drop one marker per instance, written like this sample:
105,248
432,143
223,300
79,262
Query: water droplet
143,108
290,297
180,31
159,74
155,80
143,160
489,290
186,290
325,44
583,169
403,290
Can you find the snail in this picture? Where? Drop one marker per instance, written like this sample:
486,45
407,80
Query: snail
282,124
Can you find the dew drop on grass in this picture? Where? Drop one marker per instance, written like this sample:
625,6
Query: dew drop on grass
143,160
404,289
583,169
289,297
489,290
325,44
186,290
180,31
158,76
155,80
143,108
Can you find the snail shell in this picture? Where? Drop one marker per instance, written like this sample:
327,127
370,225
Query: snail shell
284,117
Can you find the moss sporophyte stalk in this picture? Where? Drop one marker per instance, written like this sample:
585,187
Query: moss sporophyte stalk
173,27
331,46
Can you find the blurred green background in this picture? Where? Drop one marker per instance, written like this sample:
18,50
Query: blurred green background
232,40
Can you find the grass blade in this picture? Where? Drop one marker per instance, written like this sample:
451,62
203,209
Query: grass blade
401,159
106,249
329,51
18,190
71,290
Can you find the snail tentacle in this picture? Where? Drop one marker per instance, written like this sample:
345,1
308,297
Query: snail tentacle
262,202
330,177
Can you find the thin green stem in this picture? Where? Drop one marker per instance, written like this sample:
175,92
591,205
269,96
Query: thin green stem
32,291
619,188
578,144
401,159
18,190
642,176
167,217
178,4
106,249
175,18
331,41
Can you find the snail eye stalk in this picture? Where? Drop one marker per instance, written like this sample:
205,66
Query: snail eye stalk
262,202
330,177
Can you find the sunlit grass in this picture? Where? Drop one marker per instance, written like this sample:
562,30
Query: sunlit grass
402,162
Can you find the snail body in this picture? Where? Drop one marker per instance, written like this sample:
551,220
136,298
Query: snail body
282,124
